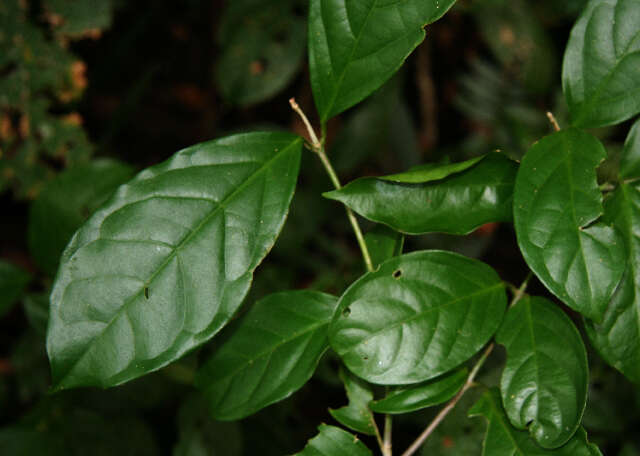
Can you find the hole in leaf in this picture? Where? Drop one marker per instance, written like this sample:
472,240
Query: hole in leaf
346,312
365,358
146,292
397,273
529,423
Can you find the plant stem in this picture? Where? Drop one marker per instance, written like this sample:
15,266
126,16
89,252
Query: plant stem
386,448
415,446
553,121
377,432
317,146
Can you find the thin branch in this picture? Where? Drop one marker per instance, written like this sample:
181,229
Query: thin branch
377,432
553,121
386,449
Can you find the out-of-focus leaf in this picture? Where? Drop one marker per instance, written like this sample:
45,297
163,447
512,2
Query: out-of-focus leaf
17,441
165,263
263,42
457,204
76,19
502,439
630,162
544,383
333,441
383,243
601,68
356,415
354,47
66,202
36,308
415,397
417,316
556,206
13,281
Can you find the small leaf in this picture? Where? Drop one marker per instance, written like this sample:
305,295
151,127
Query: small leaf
272,351
504,440
416,317
545,380
630,162
422,174
354,47
617,337
416,397
470,195
601,68
192,230
557,205
333,441
357,415
13,281
383,243
66,202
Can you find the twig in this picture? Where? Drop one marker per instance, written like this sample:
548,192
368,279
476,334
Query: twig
386,448
553,121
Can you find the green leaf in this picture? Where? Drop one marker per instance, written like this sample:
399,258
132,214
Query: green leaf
36,308
333,441
422,174
416,397
383,243
263,43
601,68
504,440
470,195
355,46
630,162
557,205
417,316
65,203
80,18
13,281
166,262
545,380
617,337
357,415
272,351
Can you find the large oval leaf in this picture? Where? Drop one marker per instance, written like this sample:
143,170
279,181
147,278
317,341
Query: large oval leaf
617,337
556,206
601,68
466,198
630,161
272,351
502,439
545,380
333,441
166,262
416,317
357,414
410,398
355,46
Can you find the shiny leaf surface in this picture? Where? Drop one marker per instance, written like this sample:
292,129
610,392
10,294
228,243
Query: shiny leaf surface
383,243
166,262
557,205
630,162
617,337
333,441
545,380
417,316
457,204
355,46
601,68
416,397
502,439
271,352
356,415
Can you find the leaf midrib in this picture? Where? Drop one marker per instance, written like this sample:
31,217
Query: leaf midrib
221,205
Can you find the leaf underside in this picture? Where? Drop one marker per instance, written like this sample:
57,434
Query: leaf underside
166,262
356,415
333,441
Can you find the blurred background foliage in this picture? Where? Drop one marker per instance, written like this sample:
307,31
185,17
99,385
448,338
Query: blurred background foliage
93,91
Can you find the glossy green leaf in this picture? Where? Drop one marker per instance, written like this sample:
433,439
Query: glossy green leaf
417,316
333,441
431,172
355,46
457,204
502,439
13,281
66,202
557,205
271,352
630,162
356,415
416,397
545,380
166,262
383,243
617,337
601,68
263,44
